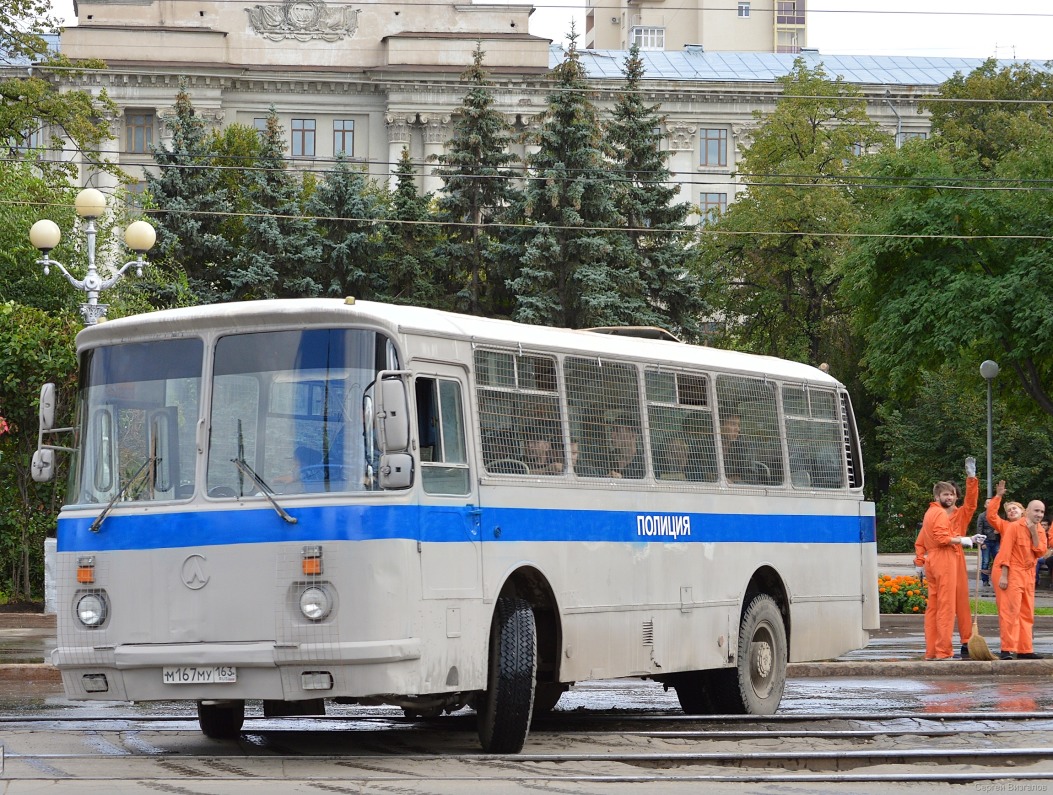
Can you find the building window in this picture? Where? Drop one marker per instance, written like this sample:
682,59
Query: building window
714,147
788,41
649,38
908,136
303,137
711,205
260,123
344,137
789,12
134,198
744,10
139,131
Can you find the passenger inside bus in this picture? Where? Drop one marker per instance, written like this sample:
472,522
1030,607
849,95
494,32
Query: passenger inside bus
304,460
626,455
738,454
542,456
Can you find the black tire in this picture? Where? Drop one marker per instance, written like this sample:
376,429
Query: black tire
754,686
506,704
221,720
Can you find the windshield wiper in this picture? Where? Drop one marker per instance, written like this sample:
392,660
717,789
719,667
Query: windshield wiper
244,468
144,469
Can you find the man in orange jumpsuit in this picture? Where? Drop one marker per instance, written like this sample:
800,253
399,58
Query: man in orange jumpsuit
939,549
1023,543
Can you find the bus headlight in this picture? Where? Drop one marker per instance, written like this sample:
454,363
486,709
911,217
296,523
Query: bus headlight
315,603
91,610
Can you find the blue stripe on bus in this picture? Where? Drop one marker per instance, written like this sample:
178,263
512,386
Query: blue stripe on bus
451,524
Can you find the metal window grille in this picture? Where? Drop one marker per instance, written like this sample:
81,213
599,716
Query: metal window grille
814,438
751,445
603,403
520,422
680,419
853,454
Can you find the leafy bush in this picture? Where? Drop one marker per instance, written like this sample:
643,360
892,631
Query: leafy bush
903,594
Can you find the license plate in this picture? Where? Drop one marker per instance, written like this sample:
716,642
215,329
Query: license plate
199,674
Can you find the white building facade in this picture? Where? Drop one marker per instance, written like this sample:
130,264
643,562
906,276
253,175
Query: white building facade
368,80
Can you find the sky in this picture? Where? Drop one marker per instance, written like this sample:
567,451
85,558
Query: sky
974,29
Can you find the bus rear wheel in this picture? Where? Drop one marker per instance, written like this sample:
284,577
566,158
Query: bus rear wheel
504,711
754,686
221,720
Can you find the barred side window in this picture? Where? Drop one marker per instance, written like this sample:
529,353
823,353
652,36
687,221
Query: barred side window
519,417
814,437
603,399
750,442
679,410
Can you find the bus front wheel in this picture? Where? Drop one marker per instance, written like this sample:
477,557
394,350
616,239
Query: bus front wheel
221,720
754,686
504,711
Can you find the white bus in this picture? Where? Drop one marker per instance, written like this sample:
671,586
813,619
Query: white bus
300,500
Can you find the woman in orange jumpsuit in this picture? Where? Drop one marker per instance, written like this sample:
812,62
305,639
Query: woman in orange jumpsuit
939,549
1023,542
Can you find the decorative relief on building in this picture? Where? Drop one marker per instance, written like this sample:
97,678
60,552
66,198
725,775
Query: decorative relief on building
743,135
398,129
304,20
436,129
681,137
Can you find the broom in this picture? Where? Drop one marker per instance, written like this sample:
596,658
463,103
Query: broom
978,649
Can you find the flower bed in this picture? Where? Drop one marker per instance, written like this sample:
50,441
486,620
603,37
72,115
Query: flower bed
903,594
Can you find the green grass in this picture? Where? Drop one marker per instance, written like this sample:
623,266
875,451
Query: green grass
987,608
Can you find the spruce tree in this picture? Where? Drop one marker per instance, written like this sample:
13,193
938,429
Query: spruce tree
190,203
280,252
657,227
410,239
346,206
477,186
569,268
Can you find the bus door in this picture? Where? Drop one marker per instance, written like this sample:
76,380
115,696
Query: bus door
449,515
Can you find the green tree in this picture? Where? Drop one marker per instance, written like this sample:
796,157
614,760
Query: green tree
772,261
346,207
410,240
280,248
21,278
31,105
570,266
477,187
189,202
958,264
658,232
927,438
35,347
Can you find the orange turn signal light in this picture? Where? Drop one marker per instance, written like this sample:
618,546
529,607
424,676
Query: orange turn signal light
86,571
312,561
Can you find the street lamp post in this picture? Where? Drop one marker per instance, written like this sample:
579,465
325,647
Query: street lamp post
90,204
989,370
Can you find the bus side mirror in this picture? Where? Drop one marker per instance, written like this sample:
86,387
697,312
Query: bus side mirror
396,471
43,468
392,415
47,407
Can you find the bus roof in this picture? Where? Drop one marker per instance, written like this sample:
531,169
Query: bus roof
410,320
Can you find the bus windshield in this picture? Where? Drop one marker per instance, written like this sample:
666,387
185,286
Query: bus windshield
290,412
138,410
